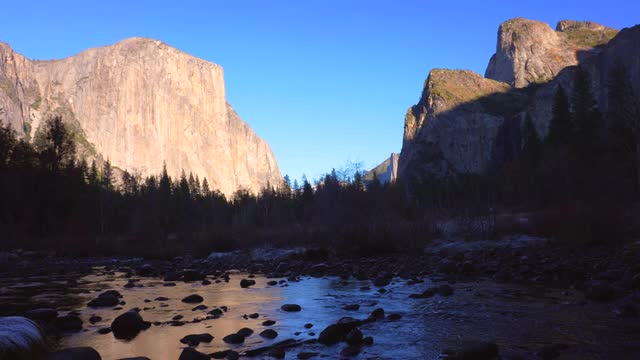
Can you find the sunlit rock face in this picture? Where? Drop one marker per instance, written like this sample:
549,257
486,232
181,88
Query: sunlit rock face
386,171
468,124
140,103
529,51
451,129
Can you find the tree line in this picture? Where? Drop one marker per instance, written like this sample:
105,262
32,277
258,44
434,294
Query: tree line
586,169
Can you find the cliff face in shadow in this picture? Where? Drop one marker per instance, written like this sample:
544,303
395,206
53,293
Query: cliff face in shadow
468,124
139,103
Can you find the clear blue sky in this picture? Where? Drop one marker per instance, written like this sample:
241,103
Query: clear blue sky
324,82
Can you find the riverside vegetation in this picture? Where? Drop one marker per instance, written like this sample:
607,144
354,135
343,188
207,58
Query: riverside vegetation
579,185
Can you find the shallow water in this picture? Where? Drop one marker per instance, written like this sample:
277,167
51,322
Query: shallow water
520,320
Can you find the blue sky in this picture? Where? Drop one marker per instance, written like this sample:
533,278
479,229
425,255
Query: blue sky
324,82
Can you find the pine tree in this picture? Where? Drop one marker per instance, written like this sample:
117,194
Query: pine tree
56,145
7,143
83,169
205,188
93,177
165,183
197,189
107,175
23,156
183,185
560,126
192,183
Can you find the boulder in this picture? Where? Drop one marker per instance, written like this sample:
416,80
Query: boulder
269,334
104,301
196,339
331,335
193,354
20,338
128,325
233,339
354,337
245,332
245,283
291,307
193,299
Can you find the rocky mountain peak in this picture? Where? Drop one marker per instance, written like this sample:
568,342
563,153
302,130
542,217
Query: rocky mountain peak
530,51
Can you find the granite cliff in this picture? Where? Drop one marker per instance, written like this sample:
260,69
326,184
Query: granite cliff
386,171
468,124
139,103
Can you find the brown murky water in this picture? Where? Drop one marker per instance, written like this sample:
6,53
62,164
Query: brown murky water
520,320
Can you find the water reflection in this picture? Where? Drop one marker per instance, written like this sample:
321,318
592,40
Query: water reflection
520,320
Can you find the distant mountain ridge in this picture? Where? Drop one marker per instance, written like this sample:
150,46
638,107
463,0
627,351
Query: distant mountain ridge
465,123
139,103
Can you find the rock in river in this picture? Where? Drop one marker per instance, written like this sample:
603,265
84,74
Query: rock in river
193,299
128,325
233,339
269,334
193,354
196,339
332,334
291,307
104,300
245,283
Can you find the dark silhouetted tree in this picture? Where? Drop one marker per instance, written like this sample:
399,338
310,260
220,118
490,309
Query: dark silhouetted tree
56,146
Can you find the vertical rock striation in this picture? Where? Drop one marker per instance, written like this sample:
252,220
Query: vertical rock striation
140,103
